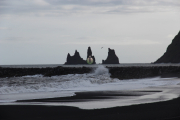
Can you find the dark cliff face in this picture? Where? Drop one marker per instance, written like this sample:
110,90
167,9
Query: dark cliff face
172,54
89,53
112,58
76,59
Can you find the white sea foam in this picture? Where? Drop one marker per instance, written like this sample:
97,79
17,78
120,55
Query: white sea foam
101,70
98,80
38,83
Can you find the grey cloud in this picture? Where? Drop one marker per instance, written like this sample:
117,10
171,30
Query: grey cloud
56,7
14,38
85,2
17,39
3,3
5,28
114,2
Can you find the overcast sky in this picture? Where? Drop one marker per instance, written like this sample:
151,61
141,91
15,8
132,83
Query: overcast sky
45,31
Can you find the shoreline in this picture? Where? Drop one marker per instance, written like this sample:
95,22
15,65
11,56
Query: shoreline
106,98
75,107
49,109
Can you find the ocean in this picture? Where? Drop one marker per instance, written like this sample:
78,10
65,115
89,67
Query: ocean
96,65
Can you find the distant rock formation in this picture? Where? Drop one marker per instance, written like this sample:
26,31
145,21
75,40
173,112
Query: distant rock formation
89,54
172,54
76,59
112,58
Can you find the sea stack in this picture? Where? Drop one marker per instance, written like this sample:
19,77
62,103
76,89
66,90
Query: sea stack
89,54
112,58
172,54
76,59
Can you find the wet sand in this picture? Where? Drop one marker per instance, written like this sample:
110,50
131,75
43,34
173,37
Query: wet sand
64,108
168,110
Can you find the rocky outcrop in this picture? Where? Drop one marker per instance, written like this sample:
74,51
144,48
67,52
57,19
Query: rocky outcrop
89,54
112,58
75,59
172,54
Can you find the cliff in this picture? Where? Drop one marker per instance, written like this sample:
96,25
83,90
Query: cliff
172,54
112,58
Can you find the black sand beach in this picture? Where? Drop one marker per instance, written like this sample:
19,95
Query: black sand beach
167,110
35,109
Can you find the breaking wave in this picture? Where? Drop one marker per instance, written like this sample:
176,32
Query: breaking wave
97,80
38,83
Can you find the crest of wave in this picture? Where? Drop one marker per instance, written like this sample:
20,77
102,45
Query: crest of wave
101,70
38,83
